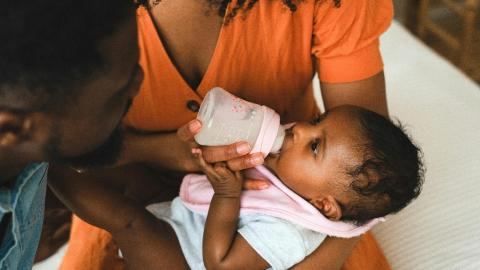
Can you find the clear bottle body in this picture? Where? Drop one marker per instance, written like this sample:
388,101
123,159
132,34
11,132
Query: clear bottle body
228,119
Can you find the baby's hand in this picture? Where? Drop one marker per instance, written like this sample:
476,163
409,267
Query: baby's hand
224,182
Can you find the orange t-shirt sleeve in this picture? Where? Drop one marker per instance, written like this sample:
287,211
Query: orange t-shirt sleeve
367,255
346,39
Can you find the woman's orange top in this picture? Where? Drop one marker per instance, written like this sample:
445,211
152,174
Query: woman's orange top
269,57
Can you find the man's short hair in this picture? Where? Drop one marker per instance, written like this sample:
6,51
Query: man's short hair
50,47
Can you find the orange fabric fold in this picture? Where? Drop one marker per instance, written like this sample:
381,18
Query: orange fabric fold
366,255
91,248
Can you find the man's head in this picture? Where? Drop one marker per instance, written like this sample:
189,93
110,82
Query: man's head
68,72
350,163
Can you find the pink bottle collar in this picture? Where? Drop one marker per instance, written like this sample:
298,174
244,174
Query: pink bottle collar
268,132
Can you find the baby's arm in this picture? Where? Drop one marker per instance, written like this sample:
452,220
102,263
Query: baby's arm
223,247
146,242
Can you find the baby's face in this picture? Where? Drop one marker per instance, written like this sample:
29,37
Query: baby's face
314,155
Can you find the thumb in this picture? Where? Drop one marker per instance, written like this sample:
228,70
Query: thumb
254,184
187,131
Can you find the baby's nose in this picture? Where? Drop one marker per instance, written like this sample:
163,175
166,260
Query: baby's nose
299,131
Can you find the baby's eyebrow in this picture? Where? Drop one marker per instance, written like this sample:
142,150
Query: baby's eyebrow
324,144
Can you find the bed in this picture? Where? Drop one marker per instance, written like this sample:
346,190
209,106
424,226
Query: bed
441,229
441,108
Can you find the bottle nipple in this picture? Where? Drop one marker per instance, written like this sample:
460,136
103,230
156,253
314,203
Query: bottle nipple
277,144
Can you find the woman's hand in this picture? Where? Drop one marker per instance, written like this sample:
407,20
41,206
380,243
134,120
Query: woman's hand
235,155
172,151
160,151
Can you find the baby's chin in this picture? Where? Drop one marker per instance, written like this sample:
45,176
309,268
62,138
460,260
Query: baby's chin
270,163
270,160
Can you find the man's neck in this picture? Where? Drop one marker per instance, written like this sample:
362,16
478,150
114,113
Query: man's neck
10,171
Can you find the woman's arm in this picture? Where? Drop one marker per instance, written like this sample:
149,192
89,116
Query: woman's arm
223,247
167,152
330,255
172,151
368,93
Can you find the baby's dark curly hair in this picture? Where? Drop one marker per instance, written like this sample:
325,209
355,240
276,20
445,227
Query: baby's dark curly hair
52,46
391,173
241,6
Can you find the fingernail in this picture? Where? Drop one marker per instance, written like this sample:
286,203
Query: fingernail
257,159
243,149
194,126
264,186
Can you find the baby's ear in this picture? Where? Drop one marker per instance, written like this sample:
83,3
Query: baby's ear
328,206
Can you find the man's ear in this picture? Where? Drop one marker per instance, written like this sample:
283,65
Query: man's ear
13,128
328,206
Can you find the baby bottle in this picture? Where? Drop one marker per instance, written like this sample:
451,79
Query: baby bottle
228,119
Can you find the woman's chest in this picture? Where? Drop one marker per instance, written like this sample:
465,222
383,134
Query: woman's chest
189,32
263,60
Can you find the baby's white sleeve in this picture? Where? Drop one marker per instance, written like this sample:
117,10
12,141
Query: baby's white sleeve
281,243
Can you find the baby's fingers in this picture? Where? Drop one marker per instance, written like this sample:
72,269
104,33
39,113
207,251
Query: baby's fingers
221,170
239,176
218,169
204,166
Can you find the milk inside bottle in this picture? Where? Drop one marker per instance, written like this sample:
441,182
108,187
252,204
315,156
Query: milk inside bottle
228,119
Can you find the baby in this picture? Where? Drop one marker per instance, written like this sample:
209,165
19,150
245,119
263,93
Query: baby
334,176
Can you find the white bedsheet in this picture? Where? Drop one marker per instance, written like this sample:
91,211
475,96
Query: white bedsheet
441,229
441,107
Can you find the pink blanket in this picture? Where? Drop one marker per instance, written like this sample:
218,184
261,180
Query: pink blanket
279,201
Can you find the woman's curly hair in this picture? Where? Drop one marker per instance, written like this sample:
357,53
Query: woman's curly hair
241,6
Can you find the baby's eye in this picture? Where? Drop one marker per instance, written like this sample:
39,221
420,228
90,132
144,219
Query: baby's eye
316,121
314,147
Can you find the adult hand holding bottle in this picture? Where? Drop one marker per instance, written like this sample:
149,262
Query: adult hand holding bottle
234,155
